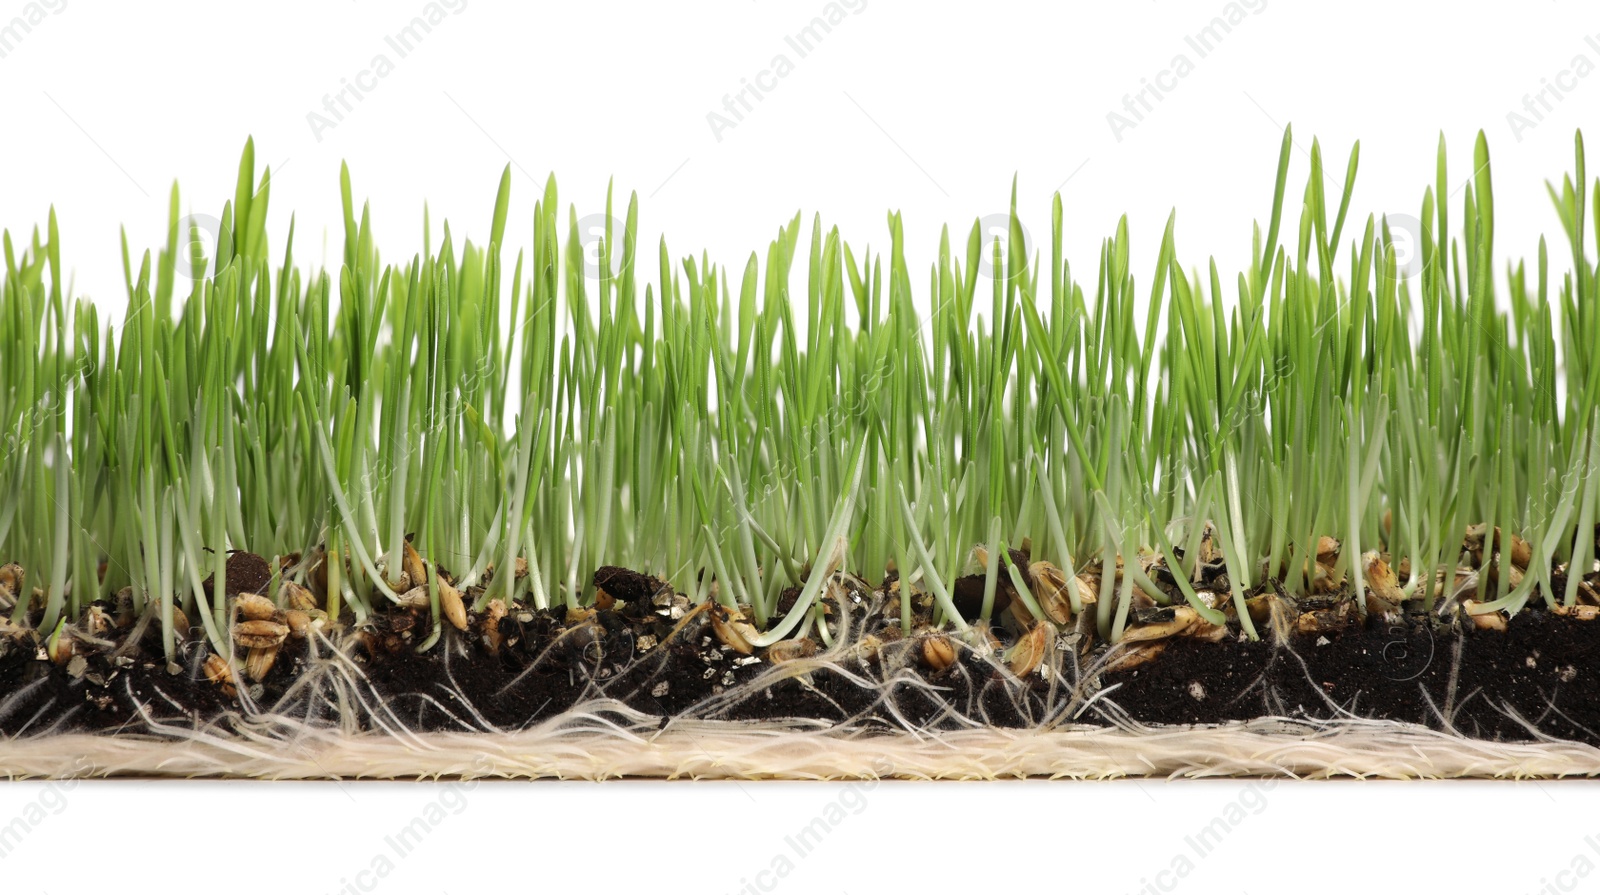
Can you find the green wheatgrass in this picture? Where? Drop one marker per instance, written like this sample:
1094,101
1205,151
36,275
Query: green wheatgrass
720,427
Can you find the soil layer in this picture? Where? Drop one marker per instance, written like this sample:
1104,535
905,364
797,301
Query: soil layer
655,655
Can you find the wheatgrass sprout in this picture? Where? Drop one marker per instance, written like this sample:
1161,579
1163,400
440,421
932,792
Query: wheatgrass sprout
430,452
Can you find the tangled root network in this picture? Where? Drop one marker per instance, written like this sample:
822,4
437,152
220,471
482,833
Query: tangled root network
333,723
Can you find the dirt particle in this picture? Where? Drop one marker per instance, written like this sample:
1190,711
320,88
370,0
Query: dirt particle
246,573
626,584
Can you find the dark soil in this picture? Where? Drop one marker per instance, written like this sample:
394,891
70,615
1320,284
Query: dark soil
246,573
661,658
1541,671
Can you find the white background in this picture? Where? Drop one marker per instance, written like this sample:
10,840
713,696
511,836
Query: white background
929,108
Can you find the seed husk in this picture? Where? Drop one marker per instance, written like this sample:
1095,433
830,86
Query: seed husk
789,650
254,607
1050,590
411,564
180,622
733,629
1582,612
415,598
125,614
296,596
492,614
1204,630
1183,619
1260,607
1521,552
11,579
1324,580
451,606
866,649
1384,595
96,621
1135,654
319,571
218,672
938,652
1028,653
1483,621
299,623
1327,550
1088,589
260,634
258,662
1514,576
1476,541
1325,621
62,647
